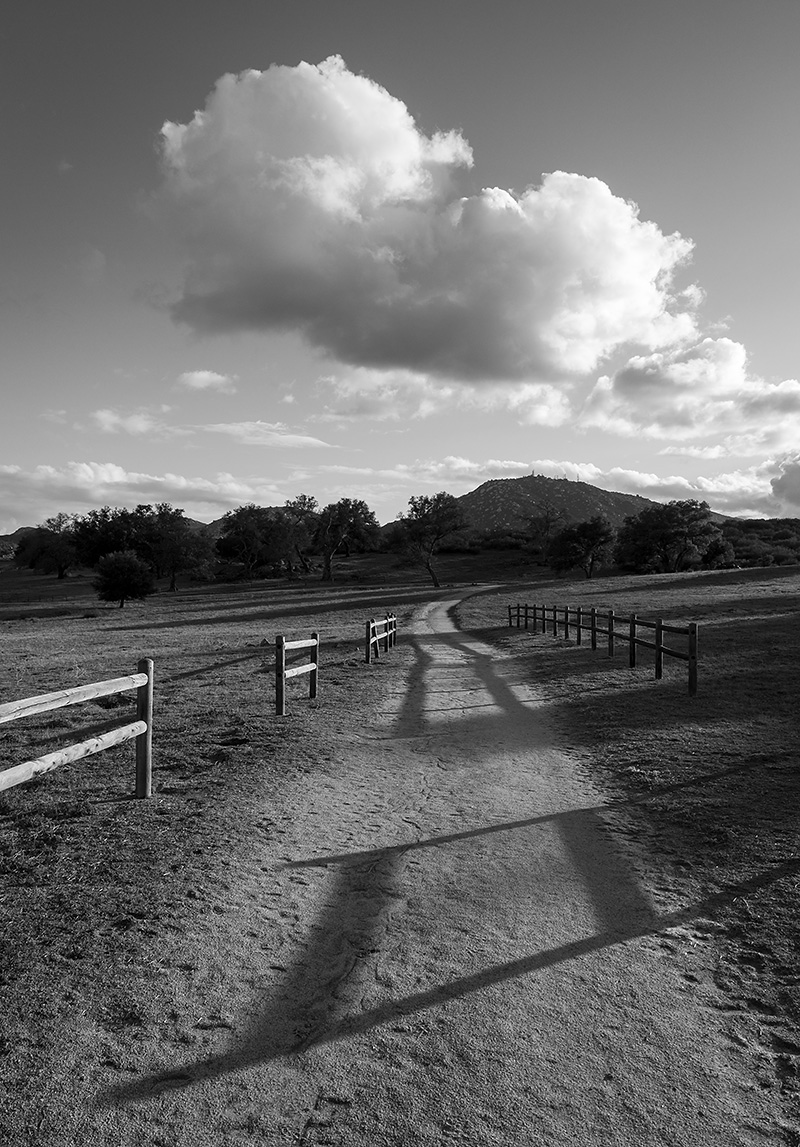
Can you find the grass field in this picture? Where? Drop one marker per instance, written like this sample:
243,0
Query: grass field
92,881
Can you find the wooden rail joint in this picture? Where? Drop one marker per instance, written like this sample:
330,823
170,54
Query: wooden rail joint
379,634
141,729
282,673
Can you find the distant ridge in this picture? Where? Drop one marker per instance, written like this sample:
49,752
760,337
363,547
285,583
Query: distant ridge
9,542
510,503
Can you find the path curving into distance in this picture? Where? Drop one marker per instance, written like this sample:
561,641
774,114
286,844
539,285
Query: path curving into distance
463,947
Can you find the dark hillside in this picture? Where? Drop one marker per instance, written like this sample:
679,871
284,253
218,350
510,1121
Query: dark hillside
511,502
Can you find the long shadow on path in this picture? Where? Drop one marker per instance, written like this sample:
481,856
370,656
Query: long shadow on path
366,886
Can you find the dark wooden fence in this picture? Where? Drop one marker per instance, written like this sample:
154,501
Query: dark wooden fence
380,633
141,728
553,618
282,673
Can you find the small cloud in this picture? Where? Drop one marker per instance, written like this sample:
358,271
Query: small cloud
138,423
59,417
63,166
208,380
786,486
264,434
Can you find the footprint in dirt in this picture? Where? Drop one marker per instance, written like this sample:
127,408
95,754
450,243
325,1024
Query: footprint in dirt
328,1110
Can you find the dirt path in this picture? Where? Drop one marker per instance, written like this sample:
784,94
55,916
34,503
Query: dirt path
453,945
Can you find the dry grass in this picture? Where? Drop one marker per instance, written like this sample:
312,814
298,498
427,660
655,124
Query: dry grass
714,779
96,887
99,891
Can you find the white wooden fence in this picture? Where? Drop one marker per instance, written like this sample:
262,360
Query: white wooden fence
141,729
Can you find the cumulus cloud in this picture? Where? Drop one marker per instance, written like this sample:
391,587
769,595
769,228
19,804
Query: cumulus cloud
401,395
29,496
307,198
264,434
786,484
699,391
207,380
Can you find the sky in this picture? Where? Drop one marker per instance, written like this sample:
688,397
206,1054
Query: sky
357,249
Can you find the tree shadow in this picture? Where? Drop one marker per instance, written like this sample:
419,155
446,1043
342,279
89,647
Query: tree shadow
381,599
296,1018
306,1010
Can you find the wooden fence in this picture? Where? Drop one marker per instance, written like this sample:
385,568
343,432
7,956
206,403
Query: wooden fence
380,633
141,728
617,628
282,673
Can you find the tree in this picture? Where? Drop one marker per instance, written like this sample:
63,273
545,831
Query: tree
348,522
175,547
159,535
49,548
543,525
101,532
257,537
668,538
122,576
586,545
429,520
301,512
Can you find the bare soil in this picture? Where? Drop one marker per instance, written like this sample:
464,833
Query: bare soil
471,895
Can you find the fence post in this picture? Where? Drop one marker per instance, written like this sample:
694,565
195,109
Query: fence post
518,614
566,622
510,622
659,642
386,636
280,680
144,742
544,619
555,621
526,615
632,642
579,626
593,625
692,658
611,633
312,677
368,643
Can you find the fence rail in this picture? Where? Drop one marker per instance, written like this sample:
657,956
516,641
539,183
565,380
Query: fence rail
141,729
282,673
552,618
380,633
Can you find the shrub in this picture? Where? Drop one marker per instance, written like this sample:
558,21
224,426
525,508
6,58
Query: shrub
121,576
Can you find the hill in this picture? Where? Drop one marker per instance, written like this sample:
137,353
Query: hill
509,503
9,542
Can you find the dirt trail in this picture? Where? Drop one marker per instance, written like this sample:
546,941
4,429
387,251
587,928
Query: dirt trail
454,945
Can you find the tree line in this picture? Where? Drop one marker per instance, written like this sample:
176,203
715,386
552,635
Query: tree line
131,549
